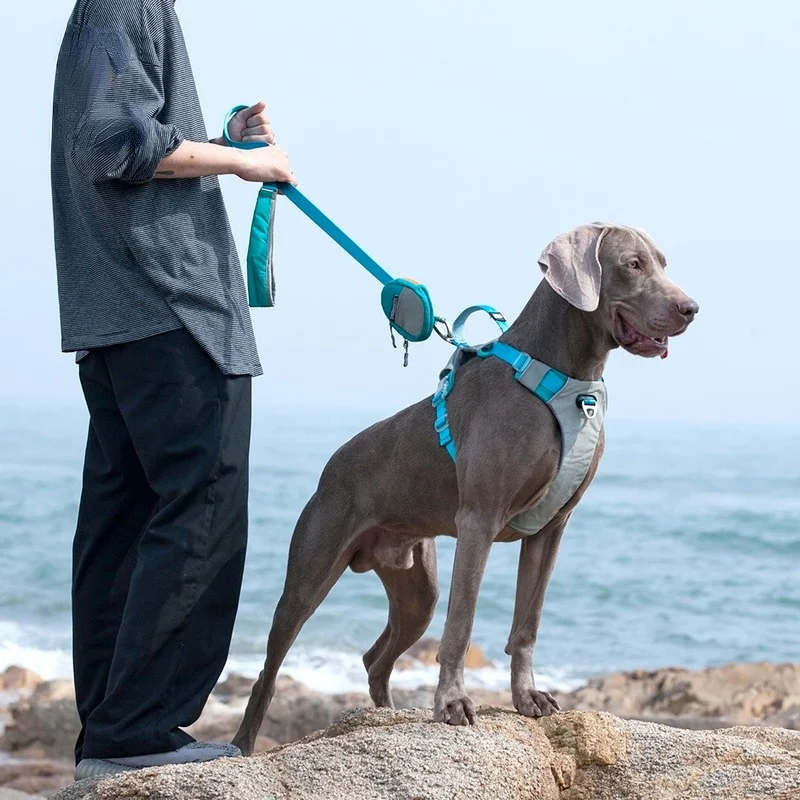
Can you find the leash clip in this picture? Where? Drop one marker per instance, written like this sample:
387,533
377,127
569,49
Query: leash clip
588,404
442,328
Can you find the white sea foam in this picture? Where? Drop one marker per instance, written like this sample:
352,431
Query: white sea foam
321,669
335,671
20,646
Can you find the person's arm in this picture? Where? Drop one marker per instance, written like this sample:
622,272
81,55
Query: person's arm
119,136
198,159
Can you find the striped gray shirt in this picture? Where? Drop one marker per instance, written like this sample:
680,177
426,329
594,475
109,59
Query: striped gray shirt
135,256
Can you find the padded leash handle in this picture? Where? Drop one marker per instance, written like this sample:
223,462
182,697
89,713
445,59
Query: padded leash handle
311,211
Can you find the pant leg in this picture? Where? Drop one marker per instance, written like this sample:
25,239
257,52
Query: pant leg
116,502
190,427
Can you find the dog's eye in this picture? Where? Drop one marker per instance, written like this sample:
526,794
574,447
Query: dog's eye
634,264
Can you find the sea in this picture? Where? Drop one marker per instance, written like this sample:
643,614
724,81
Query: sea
685,551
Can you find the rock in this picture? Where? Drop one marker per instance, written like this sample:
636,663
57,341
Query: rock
735,693
787,717
45,724
297,710
35,777
424,695
233,686
414,698
13,794
16,679
426,650
378,753
219,723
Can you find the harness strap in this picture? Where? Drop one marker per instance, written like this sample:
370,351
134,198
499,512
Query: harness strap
442,423
458,339
545,388
546,385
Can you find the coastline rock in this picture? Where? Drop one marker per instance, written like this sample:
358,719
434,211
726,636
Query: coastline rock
379,753
19,679
34,777
13,794
745,693
45,724
426,651
235,686
297,711
219,723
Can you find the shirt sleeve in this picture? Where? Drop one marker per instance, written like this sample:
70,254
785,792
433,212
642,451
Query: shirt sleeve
118,97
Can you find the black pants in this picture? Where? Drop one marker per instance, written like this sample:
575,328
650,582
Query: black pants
160,543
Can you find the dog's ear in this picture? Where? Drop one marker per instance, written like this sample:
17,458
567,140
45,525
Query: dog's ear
571,265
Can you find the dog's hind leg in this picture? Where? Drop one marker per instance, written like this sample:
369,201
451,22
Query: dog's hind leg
318,556
412,597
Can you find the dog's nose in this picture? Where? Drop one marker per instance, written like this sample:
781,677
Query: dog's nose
688,308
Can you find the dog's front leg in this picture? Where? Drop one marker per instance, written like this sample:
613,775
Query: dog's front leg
475,534
536,561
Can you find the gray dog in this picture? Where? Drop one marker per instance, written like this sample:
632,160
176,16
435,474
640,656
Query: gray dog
388,492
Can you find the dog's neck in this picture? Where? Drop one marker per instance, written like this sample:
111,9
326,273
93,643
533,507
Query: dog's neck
556,333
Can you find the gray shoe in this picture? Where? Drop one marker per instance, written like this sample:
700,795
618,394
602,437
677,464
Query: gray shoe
188,754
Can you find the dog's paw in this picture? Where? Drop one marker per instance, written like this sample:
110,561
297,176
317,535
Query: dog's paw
533,703
454,708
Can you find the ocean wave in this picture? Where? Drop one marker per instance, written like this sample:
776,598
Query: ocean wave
321,669
18,647
332,671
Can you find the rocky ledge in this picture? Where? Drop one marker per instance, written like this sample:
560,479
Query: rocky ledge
41,722
372,754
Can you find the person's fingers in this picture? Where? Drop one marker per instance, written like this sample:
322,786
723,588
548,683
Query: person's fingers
255,120
287,177
258,130
283,164
255,109
268,139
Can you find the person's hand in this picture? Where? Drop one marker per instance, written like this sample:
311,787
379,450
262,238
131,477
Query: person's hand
265,165
251,125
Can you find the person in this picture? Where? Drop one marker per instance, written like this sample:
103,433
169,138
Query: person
152,300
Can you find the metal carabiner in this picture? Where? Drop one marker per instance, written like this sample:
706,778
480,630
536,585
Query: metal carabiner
448,334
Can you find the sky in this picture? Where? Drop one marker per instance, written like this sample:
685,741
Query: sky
453,140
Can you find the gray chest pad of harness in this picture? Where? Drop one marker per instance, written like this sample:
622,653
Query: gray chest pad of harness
580,433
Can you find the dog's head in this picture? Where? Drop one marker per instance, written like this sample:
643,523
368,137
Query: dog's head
617,274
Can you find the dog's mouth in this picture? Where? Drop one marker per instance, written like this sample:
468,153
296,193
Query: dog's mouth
638,343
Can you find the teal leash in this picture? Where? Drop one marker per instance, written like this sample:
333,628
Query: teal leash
406,303
260,248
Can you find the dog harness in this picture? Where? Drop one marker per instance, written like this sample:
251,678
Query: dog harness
578,406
